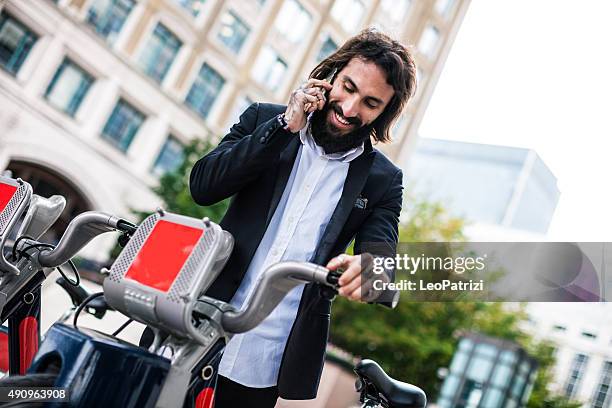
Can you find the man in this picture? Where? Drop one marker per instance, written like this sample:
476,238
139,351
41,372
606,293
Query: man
304,181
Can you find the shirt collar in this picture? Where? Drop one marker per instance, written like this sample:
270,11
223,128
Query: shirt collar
346,157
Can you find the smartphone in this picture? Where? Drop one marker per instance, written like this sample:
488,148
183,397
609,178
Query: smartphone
332,75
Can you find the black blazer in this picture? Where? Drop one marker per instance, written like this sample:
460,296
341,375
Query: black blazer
252,165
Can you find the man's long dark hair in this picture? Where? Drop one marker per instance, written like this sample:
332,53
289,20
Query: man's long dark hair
389,55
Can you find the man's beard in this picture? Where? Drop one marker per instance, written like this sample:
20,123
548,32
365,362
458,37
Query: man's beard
329,138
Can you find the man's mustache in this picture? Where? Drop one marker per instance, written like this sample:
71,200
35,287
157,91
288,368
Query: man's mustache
353,120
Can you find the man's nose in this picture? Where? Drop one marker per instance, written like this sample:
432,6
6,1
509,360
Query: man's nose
350,107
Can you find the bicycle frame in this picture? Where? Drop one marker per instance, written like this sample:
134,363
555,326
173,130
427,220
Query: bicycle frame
195,330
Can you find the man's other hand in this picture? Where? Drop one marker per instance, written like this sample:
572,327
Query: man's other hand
304,100
351,283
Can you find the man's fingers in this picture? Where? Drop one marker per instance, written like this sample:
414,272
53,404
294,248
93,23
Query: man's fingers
309,101
318,82
351,286
318,93
321,104
368,293
337,262
313,90
306,98
356,294
350,275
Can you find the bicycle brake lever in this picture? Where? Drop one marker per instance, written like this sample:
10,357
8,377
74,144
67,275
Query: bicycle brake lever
123,239
330,292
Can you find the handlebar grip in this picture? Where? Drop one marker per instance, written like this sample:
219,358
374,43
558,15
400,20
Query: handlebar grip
126,226
80,231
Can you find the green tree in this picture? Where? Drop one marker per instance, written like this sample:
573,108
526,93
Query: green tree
541,397
412,341
173,187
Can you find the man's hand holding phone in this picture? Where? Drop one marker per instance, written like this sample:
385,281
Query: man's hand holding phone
305,100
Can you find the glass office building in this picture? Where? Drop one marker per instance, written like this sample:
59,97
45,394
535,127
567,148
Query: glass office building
488,373
506,186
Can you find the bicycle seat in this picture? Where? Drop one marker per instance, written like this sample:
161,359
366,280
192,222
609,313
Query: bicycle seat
97,307
397,394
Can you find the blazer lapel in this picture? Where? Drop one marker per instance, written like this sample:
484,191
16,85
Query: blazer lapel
285,164
355,180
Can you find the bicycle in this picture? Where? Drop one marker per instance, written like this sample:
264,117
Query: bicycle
158,280
27,216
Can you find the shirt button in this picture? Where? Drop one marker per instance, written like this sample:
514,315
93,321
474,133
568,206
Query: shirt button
262,139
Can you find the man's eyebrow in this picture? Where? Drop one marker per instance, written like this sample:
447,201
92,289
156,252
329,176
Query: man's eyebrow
354,86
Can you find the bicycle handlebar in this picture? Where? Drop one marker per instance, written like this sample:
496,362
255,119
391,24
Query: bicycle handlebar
80,231
274,284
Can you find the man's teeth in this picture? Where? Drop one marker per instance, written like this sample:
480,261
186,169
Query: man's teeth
344,122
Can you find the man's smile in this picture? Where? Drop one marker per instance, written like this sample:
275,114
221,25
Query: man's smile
341,123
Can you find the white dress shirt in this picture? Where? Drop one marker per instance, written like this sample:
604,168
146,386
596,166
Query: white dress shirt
304,210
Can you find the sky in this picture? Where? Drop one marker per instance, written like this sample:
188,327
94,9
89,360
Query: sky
538,74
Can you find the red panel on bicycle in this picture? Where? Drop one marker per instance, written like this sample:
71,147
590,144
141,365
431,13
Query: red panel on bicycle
6,193
163,254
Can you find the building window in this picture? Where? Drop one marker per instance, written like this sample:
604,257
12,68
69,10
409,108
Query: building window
68,87
122,125
233,32
428,43
16,41
602,398
269,68
192,6
443,7
395,10
170,157
293,21
573,382
204,90
159,53
589,335
327,48
107,16
348,13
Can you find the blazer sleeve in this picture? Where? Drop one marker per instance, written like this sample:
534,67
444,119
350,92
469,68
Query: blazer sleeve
239,158
379,233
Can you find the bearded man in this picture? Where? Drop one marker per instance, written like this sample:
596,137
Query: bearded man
305,181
